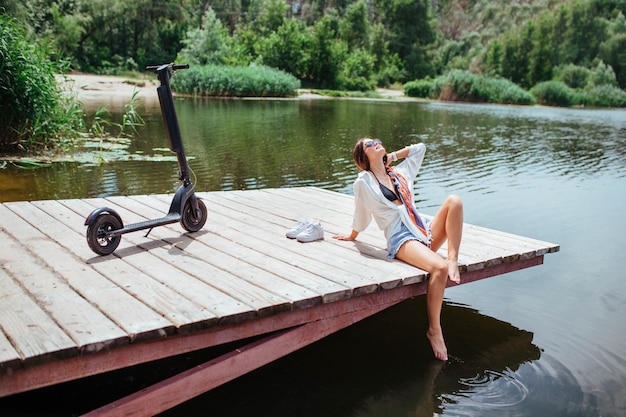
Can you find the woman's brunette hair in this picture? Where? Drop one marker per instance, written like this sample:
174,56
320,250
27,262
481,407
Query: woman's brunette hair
358,154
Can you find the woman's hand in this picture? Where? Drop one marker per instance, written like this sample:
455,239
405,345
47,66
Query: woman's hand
351,236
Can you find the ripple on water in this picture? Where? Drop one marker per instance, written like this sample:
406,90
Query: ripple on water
536,388
493,389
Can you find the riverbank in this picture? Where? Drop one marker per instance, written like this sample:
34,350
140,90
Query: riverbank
109,89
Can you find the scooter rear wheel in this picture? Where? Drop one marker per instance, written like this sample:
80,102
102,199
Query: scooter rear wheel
97,237
190,222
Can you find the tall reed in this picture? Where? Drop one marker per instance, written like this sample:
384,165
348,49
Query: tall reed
222,81
35,114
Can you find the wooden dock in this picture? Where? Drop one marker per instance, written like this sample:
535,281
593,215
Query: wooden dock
66,313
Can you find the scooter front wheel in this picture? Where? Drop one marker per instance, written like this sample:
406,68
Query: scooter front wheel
193,222
98,238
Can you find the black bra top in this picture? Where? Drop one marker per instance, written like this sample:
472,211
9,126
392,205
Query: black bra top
389,195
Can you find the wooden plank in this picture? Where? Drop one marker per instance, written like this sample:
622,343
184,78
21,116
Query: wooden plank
335,222
33,334
185,314
472,256
252,268
243,283
258,300
369,241
67,308
362,263
496,270
9,358
266,245
511,240
139,321
244,245
209,286
479,244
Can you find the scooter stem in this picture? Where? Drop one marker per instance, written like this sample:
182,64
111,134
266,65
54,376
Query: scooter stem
168,111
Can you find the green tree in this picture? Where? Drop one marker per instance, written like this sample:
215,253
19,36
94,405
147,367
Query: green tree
513,64
410,34
389,68
114,33
67,30
541,54
323,52
273,15
494,58
286,49
584,33
379,47
613,50
354,28
357,72
205,45
243,47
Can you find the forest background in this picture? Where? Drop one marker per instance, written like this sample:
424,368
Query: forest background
564,52
337,43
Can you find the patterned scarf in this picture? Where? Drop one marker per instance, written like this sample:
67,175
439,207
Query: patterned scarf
402,188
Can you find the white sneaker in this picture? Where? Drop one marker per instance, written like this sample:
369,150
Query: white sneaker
298,228
313,231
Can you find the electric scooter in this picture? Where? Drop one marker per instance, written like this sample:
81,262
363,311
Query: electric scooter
105,226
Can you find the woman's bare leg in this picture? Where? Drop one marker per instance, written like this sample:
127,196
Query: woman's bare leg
417,254
448,225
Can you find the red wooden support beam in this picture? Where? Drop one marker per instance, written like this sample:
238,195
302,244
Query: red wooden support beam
337,316
200,379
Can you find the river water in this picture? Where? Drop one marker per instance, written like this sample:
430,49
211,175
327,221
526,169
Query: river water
546,341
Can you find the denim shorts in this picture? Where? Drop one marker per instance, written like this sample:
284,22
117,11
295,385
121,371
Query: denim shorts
400,238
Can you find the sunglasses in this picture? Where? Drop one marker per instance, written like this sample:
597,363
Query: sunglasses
373,142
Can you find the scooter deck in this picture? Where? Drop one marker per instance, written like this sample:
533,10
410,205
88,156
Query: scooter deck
170,218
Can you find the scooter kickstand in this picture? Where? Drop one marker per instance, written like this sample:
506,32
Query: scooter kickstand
148,232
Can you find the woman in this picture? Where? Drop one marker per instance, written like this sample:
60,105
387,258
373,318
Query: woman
386,194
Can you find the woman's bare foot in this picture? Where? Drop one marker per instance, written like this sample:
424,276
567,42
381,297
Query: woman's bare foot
437,343
453,271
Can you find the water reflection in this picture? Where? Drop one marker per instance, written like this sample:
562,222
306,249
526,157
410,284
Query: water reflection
246,144
383,367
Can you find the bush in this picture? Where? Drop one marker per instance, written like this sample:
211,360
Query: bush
574,76
419,88
513,94
464,86
222,81
391,71
35,115
604,96
602,75
455,86
554,93
357,73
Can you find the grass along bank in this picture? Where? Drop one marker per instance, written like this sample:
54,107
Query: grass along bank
597,90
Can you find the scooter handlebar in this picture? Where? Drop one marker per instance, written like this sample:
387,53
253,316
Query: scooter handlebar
173,66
